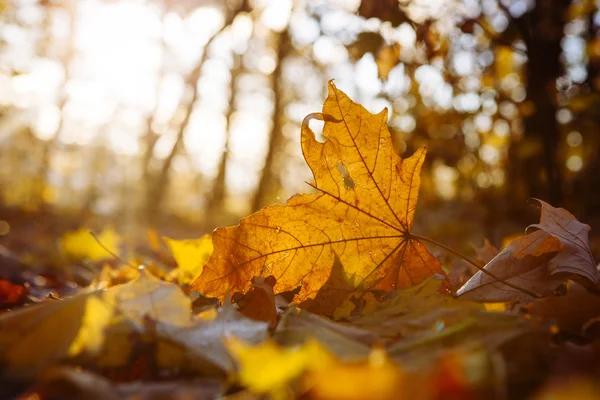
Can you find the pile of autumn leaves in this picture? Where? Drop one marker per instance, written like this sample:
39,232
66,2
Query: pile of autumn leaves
329,297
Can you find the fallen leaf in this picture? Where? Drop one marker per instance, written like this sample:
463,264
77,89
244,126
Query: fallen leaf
191,255
81,245
347,342
203,341
480,332
571,311
11,294
539,262
374,378
487,252
575,256
259,303
149,298
34,337
268,367
415,310
523,263
362,213
145,306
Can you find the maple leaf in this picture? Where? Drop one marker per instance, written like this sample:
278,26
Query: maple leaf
362,213
538,262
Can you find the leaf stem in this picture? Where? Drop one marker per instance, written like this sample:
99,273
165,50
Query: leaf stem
473,263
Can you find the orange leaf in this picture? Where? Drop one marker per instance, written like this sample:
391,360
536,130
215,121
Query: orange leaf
362,213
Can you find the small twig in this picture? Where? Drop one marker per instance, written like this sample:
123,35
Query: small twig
473,263
109,251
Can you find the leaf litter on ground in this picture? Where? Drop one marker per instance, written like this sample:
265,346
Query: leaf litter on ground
330,296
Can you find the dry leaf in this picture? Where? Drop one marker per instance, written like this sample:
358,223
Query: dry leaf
362,213
147,297
538,262
575,256
33,337
523,263
570,311
487,252
259,303
203,341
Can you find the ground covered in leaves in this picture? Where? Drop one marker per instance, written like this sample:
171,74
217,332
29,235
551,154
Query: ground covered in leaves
330,296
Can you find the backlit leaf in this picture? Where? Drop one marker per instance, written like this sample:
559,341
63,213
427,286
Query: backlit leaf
361,213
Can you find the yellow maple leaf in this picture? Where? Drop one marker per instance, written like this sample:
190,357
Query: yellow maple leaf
191,255
361,216
81,245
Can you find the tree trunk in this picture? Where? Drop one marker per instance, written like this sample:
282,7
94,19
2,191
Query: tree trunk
269,180
158,186
216,197
49,145
534,167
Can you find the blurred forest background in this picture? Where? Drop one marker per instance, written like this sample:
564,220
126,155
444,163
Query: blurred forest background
185,114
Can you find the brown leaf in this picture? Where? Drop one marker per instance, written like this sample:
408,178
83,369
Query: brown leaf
11,294
571,311
523,263
487,252
538,262
575,257
203,341
259,303
362,213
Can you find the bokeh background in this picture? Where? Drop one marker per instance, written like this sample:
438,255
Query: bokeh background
185,114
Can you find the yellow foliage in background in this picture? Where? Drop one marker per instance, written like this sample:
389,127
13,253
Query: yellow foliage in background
191,255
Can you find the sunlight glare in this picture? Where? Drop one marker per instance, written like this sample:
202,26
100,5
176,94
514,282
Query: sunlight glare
276,14
46,122
574,163
204,140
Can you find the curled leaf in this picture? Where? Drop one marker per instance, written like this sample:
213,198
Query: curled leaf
538,262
